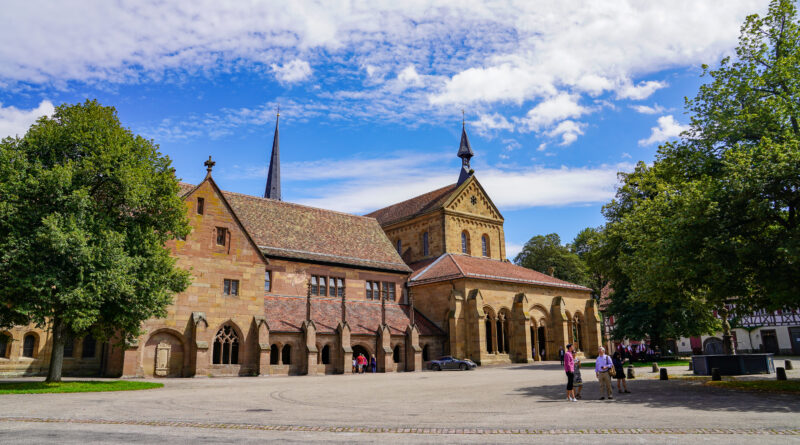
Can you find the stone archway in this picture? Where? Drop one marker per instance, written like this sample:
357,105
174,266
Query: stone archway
164,354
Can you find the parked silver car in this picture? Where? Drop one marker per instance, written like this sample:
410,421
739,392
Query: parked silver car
451,363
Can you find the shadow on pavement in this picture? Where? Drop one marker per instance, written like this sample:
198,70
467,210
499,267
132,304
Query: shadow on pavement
675,393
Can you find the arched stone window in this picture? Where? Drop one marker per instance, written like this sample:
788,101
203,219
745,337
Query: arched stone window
5,344
489,341
226,346
400,246
485,245
396,354
500,334
326,355
425,353
29,345
425,245
89,346
465,242
273,354
286,354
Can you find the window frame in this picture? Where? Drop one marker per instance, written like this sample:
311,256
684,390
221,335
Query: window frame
268,281
201,206
32,347
485,245
222,232
230,287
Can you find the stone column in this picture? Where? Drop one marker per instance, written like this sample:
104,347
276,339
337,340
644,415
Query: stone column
455,319
262,347
384,350
559,327
593,328
520,331
310,337
345,356
413,350
201,360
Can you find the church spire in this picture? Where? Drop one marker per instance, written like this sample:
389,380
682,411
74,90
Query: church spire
464,152
273,190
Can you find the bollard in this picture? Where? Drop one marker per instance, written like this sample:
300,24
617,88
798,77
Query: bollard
691,365
631,375
664,375
780,373
655,367
715,375
788,365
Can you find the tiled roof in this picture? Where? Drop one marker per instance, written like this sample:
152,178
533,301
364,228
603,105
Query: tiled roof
414,206
287,230
286,314
451,266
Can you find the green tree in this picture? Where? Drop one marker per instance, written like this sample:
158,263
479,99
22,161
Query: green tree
85,209
545,251
714,220
588,246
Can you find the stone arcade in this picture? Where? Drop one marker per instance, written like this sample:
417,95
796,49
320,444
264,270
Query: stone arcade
281,288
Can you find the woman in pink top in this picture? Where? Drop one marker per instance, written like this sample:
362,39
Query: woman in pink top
569,368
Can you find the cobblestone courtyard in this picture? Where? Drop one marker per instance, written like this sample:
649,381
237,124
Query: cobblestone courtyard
505,405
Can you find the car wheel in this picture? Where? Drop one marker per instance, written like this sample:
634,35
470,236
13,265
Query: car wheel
437,368
463,367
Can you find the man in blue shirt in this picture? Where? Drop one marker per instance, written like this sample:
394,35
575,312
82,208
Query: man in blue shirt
602,368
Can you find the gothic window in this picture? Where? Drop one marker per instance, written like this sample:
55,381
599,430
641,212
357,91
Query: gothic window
464,242
286,354
400,247
230,287
485,245
273,355
201,204
425,246
89,345
28,345
340,287
69,346
489,342
5,341
267,281
222,234
396,354
226,346
500,335
326,355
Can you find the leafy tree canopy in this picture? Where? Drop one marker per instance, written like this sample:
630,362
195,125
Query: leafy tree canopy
545,251
85,209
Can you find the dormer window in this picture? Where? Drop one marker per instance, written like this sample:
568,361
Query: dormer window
222,235
201,205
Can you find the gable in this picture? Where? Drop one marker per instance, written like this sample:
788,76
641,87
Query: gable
471,199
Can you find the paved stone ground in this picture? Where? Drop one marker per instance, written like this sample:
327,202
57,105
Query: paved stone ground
513,404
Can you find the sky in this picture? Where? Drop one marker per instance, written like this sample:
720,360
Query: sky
557,97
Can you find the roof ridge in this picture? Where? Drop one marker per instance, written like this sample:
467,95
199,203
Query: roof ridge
458,266
517,265
413,198
296,205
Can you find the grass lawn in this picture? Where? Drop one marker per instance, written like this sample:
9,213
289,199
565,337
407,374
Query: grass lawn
84,386
782,386
645,364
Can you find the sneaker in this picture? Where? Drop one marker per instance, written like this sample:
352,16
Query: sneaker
602,398
610,397
627,392
574,400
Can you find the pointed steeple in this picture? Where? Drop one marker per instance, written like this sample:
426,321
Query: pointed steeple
465,153
273,190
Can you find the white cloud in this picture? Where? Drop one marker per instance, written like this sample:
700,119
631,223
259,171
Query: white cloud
646,109
15,122
409,76
568,131
668,128
295,71
513,249
641,91
542,147
489,122
553,109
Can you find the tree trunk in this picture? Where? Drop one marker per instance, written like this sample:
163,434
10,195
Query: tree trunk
57,352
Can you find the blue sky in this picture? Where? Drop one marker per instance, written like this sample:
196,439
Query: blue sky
558,96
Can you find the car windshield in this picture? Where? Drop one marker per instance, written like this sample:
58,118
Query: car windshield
445,358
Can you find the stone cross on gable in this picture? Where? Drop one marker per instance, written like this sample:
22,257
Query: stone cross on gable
209,165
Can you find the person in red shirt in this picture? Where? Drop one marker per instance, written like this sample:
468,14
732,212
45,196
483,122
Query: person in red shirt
362,363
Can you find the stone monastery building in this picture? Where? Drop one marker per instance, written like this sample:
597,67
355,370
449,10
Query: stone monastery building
281,288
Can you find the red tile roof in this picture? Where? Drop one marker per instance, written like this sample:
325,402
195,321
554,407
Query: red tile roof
454,266
287,230
415,206
287,313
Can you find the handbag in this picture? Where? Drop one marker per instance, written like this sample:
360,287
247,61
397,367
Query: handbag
611,371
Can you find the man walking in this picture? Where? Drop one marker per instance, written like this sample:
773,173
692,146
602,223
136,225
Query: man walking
561,355
602,369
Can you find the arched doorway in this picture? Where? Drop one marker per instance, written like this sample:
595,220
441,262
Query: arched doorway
358,349
163,355
542,342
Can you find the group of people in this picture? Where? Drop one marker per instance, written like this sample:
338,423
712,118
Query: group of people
360,364
640,352
605,368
